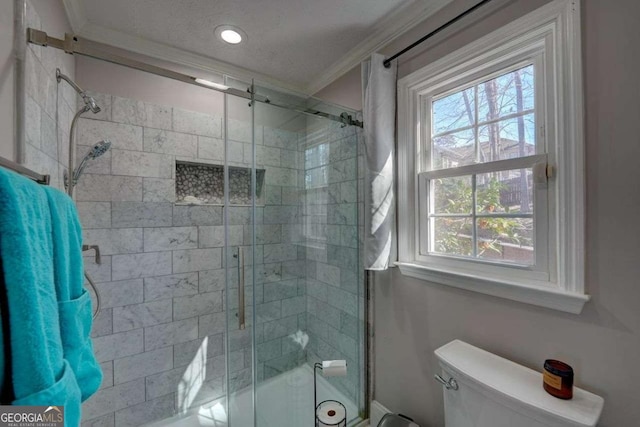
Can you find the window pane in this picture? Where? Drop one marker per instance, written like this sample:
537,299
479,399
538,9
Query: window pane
452,150
507,94
506,239
508,139
452,195
452,236
508,191
454,112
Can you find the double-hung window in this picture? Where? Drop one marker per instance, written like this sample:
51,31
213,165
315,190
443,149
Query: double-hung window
491,164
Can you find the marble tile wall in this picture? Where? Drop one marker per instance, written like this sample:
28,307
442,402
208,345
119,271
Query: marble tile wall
332,225
49,107
162,279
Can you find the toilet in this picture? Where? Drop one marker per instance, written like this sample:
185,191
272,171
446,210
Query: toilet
482,389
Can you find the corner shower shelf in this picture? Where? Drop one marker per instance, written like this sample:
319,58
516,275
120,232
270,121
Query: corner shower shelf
203,184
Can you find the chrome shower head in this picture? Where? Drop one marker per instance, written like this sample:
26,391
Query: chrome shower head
96,151
99,149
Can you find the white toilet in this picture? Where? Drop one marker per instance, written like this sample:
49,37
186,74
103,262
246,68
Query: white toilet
485,390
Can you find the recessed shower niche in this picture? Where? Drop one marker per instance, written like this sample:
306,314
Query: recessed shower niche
203,184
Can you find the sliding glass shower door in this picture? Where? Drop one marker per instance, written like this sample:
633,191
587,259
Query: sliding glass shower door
293,292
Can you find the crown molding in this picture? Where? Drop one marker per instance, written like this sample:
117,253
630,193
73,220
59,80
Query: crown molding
385,32
76,14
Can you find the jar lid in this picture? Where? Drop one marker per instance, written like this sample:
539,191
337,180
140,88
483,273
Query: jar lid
557,367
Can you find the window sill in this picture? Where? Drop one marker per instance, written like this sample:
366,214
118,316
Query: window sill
549,298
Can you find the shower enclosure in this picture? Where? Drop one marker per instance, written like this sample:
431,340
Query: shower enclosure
233,268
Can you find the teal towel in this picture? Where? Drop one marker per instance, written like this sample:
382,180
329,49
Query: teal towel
74,303
39,371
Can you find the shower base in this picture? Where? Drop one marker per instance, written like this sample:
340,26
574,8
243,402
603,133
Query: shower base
282,401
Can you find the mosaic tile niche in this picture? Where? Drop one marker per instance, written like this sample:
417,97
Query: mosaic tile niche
204,184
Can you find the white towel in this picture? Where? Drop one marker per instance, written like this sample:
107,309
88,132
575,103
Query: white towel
379,89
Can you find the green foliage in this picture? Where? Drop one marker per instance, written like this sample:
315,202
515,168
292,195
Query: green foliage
454,234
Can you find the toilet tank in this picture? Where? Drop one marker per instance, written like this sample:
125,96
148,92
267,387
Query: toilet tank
496,392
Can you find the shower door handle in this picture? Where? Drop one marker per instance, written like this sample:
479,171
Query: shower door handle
240,288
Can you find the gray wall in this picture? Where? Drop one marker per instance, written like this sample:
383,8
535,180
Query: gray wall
413,318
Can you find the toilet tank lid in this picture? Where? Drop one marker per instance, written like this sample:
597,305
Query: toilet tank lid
518,383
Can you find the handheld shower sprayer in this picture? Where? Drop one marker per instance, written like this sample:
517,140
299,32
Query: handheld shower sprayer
96,151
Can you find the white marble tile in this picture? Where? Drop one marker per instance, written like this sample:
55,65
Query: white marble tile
134,266
98,272
196,305
32,122
197,215
170,333
196,123
239,130
110,347
213,280
293,306
281,176
196,260
107,188
94,214
142,365
122,136
211,347
158,190
143,413
136,163
167,142
235,155
210,148
103,323
213,236
329,274
139,214
175,285
141,315
114,240
120,293
212,323
107,374
280,138
130,111
114,398
170,238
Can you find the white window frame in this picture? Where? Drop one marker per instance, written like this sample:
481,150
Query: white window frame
549,35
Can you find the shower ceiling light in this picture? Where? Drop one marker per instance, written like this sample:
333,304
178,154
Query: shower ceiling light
214,85
230,34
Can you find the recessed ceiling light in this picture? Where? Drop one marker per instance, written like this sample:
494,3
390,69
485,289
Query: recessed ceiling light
230,34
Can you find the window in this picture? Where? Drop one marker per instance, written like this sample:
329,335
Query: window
491,185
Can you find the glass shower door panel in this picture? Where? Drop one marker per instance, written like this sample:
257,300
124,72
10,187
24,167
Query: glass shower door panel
308,236
241,291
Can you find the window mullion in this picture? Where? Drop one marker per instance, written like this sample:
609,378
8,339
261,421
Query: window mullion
474,235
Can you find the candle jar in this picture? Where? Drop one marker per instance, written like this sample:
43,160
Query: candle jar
558,379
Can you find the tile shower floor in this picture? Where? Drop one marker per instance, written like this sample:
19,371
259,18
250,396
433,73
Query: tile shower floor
283,401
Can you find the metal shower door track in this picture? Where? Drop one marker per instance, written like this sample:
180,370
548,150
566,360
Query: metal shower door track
77,45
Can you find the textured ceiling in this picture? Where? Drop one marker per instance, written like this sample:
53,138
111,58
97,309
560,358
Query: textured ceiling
294,41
